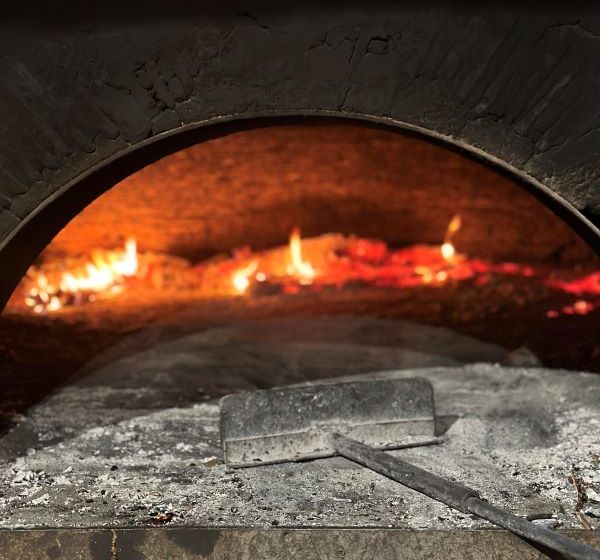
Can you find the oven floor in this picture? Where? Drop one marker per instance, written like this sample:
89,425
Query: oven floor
134,440
39,353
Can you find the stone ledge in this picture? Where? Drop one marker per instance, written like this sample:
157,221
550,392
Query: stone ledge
194,543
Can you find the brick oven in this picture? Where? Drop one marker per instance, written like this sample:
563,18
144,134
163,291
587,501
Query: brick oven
196,201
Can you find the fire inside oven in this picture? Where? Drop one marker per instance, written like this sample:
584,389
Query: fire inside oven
311,220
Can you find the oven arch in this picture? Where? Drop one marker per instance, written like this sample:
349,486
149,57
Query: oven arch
19,250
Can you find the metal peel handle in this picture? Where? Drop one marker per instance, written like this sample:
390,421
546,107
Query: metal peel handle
457,496
569,547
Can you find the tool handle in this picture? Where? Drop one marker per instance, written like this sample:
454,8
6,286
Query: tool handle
441,489
520,526
457,496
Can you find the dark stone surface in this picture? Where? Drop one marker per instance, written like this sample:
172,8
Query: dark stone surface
517,88
188,543
163,367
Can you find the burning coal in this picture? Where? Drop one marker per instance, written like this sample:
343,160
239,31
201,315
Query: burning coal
104,274
330,261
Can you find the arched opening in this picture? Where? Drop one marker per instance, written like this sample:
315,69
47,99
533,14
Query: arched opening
19,249
374,206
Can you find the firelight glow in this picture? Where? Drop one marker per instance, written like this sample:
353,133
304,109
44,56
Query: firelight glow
330,261
104,273
241,277
299,268
447,248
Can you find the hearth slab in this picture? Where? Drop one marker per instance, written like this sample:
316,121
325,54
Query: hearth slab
192,543
515,434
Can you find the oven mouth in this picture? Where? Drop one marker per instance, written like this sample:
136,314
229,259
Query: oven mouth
19,250
307,218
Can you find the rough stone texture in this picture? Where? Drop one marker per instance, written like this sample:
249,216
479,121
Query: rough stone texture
112,450
517,449
520,87
192,543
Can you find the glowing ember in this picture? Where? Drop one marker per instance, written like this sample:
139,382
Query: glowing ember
580,307
103,275
324,262
447,249
589,284
241,278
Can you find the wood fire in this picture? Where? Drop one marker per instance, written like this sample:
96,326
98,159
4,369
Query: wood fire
330,261
104,274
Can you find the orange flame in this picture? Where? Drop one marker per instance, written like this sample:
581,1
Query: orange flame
447,248
241,277
104,273
341,260
106,270
300,268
